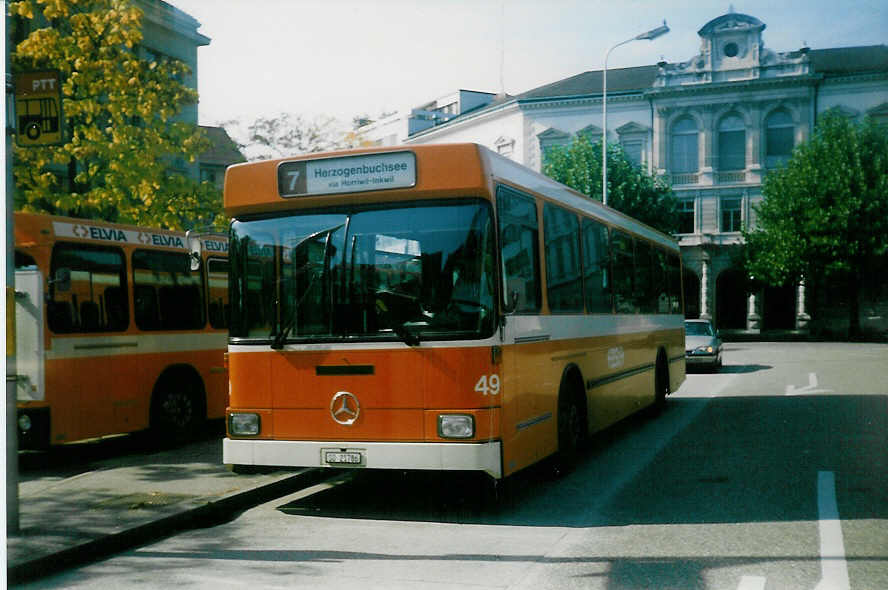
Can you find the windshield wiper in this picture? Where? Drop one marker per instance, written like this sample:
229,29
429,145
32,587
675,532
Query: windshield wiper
287,326
409,338
399,328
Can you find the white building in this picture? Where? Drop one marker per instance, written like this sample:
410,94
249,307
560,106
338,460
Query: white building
712,125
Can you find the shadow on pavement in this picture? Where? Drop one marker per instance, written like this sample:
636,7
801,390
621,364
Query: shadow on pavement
742,459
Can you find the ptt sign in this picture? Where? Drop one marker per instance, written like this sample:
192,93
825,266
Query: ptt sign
38,108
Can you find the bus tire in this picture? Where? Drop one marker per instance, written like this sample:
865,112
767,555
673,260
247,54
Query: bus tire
573,430
178,405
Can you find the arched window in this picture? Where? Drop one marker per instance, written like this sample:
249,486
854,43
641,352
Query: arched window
683,156
779,138
731,143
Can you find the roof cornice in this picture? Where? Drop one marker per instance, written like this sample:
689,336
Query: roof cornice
733,85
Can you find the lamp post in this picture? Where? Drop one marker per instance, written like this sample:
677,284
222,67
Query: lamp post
650,36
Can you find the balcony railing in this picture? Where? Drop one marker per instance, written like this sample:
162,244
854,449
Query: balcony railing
687,178
731,177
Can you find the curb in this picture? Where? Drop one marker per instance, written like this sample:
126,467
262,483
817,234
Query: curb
211,513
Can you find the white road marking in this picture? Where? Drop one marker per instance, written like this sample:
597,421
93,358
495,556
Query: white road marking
810,388
752,583
833,567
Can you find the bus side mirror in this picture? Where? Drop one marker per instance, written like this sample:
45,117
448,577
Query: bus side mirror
62,280
192,239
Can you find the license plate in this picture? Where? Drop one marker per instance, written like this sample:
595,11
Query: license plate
354,458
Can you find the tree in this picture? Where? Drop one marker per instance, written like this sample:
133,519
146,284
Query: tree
630,189
824,216
125,151
288,134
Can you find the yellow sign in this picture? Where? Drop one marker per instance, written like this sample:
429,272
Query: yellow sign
38,109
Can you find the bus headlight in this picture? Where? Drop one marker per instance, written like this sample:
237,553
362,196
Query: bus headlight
243,424
456,426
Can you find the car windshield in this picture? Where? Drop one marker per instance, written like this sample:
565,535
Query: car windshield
698,329
410,272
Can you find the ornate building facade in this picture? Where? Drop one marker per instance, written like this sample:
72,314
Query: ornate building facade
713,126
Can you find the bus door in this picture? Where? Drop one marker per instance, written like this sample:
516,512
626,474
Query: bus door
29,321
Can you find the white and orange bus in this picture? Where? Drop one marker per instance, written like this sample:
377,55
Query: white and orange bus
114,332
437,307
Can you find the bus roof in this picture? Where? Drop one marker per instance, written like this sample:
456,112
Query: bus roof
405,172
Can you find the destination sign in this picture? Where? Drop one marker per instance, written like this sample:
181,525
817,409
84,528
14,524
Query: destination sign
349,174
86,231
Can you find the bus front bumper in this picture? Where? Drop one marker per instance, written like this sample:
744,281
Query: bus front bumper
369,455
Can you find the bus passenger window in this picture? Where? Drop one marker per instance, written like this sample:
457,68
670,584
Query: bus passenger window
596,271
520,248
623,252
178,304
563,281
217,292
645,298
95,300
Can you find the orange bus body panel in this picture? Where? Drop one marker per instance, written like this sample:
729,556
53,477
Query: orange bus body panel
400,391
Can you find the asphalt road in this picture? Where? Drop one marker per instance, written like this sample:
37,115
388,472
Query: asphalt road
770,474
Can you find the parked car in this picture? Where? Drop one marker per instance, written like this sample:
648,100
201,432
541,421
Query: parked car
703,345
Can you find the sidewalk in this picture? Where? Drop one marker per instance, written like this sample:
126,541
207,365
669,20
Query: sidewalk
130,499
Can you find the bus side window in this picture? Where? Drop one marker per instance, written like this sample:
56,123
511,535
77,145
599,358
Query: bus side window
115,308
89,316
179,294
596,267
623,253
96,299
520,248
563,276
145,303
218,307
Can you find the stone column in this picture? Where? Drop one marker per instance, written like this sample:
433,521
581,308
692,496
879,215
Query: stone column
704,291
802,318
707,143
755,153
753,319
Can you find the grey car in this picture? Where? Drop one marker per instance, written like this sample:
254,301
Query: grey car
703,346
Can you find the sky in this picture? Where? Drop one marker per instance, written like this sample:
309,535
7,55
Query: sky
344,58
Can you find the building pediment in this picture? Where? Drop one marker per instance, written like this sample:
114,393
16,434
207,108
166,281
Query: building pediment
731,22
553,134
632,128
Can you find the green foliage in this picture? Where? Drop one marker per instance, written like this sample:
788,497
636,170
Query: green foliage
825,214
630,189
124,150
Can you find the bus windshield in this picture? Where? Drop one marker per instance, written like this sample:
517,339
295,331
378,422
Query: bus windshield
409,272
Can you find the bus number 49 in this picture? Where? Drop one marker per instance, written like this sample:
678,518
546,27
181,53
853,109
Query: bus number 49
488,385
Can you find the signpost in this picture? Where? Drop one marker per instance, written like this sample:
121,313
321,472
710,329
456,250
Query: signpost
36,121
38,109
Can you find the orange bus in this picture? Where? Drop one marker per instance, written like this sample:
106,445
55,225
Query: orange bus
114,332
437,307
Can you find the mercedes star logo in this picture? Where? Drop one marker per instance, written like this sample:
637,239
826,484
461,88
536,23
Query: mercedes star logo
345,408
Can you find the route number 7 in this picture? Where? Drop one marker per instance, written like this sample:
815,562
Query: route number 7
294,176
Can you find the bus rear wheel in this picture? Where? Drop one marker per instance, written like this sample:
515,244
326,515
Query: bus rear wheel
176,412
661,382
571,429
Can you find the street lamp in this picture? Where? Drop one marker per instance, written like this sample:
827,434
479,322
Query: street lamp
650,36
